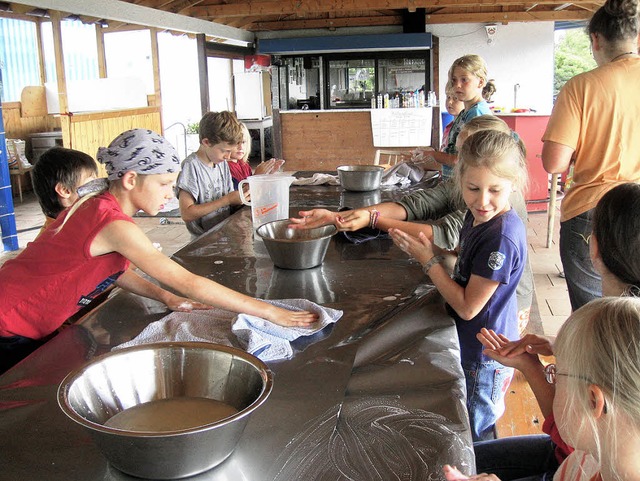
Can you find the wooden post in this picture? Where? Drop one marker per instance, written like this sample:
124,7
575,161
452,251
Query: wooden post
102,60
155,59
62,79
41,68
203,73
59,55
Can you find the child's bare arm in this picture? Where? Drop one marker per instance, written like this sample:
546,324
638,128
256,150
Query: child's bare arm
190,210
132,282
128,239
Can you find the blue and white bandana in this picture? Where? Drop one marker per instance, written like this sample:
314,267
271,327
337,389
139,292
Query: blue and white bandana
140,150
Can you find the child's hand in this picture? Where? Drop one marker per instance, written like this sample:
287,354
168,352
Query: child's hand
506,352
287,318
530,344
234,198
184,304
451,473
279,164
351,220
310,219
265,167
419,247
269,167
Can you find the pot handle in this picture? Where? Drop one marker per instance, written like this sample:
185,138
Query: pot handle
241,191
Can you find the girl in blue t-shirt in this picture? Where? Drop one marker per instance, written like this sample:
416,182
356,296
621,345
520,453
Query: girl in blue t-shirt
467,79
491,256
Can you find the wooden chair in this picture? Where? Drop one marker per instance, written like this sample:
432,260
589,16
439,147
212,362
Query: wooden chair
387,157
20,166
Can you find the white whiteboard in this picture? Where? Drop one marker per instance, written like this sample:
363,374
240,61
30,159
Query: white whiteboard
401,127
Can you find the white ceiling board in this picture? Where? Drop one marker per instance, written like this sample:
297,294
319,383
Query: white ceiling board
145,16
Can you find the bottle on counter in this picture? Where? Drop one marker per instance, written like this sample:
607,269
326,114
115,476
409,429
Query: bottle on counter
379,100
386,101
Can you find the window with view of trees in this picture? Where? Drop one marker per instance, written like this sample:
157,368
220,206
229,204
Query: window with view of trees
572,56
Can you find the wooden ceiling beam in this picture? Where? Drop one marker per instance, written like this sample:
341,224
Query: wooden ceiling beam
504,17
301,7
149,17
327,23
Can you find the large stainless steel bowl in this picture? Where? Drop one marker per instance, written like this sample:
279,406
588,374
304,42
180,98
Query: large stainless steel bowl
295,248
360,178
170,399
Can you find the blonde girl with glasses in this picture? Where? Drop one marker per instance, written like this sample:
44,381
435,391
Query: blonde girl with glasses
597,393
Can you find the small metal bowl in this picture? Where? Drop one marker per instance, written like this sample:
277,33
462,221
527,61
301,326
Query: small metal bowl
360,178
295,248
182,405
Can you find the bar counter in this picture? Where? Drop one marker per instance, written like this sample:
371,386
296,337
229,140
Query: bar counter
378,396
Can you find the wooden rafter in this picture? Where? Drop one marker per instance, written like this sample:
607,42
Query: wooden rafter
531,16
273,15
283,7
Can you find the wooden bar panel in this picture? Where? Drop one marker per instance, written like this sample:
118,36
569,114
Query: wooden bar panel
324,140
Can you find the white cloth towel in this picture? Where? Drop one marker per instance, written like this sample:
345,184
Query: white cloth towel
317,179
269,341
205,326
260,337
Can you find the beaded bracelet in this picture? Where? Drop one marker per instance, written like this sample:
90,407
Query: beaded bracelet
432,262
373,218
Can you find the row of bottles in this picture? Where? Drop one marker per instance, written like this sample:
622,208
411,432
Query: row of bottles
405,100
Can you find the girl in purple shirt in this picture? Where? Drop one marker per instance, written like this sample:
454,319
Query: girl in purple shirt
491,256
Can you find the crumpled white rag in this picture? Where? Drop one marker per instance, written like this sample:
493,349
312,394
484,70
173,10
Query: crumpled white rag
262,338
406,173
317,179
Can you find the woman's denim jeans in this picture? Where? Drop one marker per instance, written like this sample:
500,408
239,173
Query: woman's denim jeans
487,382
583,281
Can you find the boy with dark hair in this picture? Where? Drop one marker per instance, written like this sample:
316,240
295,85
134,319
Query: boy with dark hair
205,186
56,178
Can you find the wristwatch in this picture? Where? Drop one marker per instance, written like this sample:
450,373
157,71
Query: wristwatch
432,262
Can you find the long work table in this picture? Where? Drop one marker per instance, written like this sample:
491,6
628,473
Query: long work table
377,396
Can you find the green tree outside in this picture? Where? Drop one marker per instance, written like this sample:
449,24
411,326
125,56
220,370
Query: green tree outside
572,57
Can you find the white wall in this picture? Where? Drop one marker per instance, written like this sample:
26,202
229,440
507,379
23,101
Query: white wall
520,53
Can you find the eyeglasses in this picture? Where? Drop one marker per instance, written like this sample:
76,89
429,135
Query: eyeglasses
551,372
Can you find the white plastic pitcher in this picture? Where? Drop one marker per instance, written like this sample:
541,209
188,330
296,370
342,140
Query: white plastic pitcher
269,197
